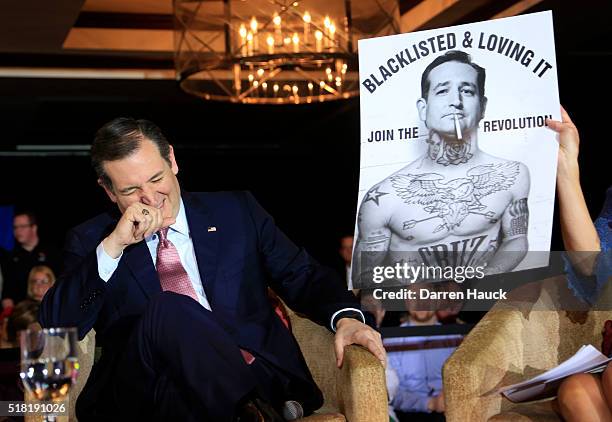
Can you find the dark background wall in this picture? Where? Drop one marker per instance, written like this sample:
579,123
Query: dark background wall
301,162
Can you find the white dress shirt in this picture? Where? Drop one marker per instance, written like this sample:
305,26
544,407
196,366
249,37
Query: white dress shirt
180,237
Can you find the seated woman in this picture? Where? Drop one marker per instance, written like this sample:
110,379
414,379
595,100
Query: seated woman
40,279
24,316
581,397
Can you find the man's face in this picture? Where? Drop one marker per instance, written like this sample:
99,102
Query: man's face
145,177
346,248
421,316
453,90
23,230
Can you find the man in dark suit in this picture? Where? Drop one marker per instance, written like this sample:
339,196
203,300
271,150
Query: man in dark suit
175,285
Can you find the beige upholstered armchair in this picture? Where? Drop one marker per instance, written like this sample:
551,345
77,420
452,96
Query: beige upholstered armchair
355,393
516,340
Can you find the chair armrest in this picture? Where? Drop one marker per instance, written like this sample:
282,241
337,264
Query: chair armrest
486,360
516,340
361,387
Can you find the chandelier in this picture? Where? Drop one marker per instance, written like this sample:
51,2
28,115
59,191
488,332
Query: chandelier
275,51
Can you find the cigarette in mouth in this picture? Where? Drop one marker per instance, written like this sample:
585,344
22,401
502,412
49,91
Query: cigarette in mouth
457,126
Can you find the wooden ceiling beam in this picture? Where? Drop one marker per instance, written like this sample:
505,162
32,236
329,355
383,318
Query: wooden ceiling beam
36,26
131,6
431,14
72,73
120,39
517,8
125,20
90,59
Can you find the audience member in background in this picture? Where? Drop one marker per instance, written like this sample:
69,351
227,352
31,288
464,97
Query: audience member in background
451,311
382,317
449,315
346,252
342,261
24,316
3,266
374,306
581,397
392,381
40,280
28,252
418,362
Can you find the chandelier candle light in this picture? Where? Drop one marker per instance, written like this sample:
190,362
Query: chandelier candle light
275,51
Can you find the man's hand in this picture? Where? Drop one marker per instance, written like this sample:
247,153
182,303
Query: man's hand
351,331
137,222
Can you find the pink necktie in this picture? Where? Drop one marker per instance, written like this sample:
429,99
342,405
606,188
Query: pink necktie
172,275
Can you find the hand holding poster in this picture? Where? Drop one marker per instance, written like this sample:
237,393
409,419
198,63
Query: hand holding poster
457,164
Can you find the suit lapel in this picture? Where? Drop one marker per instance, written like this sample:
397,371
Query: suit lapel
205,240
138,259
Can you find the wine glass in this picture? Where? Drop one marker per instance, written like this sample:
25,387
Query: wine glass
49,364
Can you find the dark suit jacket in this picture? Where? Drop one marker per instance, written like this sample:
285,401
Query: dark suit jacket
237,262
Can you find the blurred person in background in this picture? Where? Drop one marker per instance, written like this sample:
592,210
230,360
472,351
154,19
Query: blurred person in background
346,252
40,280
24,316
418,361
28,252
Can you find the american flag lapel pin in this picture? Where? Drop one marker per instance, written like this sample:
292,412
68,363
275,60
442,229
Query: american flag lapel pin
212,229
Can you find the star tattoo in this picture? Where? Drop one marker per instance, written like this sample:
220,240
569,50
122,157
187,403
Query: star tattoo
374,195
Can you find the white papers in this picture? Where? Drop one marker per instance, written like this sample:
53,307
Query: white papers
586,359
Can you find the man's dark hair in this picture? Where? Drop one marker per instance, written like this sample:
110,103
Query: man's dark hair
454,56
120,138
31,216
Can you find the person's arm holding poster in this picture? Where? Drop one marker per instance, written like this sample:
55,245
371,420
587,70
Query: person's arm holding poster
581,396
578,231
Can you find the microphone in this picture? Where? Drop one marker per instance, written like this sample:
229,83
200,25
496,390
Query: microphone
292,410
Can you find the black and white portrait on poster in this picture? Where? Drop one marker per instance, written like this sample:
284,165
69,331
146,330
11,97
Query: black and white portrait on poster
457,164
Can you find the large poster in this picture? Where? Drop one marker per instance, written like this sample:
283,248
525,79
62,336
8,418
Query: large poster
457,164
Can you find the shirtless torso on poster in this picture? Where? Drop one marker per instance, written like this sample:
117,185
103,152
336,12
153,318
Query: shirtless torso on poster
455,205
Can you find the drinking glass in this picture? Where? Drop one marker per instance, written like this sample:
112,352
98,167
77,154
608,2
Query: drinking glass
49,364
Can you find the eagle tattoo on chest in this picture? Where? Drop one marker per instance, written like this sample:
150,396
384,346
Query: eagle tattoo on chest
454,200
